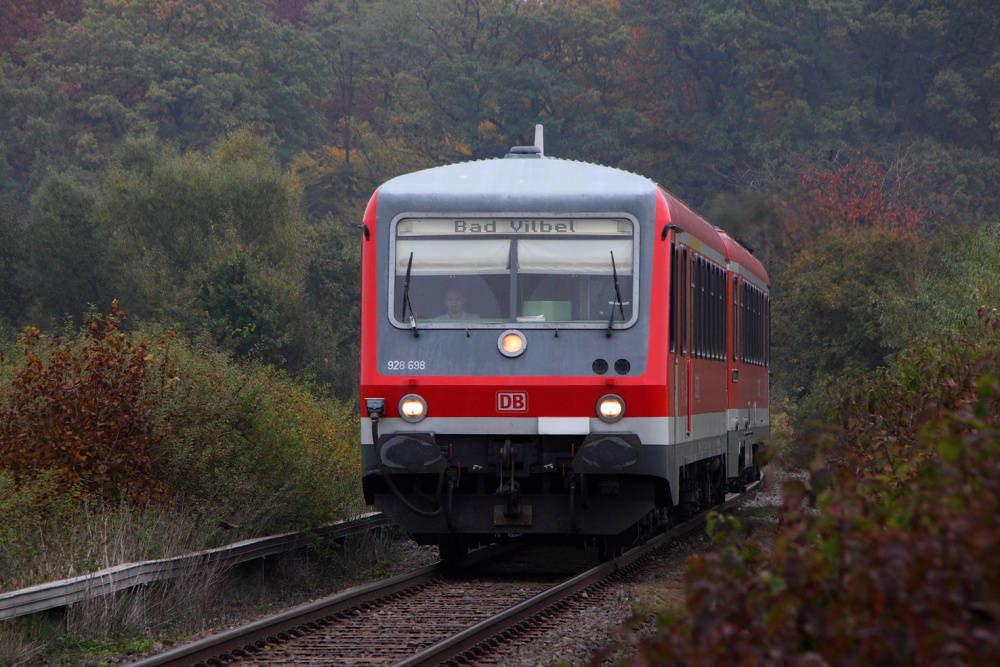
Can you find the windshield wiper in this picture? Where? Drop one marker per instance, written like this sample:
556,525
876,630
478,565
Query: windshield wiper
618,297
407,306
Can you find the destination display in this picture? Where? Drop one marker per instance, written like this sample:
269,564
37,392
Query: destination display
512,226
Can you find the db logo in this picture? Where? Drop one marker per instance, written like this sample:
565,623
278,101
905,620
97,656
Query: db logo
512,401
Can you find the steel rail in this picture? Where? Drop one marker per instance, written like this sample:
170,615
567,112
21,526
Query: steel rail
244,641
65,592
546,603
252,637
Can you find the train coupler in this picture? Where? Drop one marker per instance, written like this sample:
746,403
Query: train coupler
511,492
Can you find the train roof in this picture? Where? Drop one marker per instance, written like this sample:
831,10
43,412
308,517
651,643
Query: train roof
519,184
738,253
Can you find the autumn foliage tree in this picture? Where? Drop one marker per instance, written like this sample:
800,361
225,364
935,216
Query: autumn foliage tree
106,414
25,19
855,191
78,409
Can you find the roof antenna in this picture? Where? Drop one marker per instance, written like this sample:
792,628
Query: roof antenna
534,151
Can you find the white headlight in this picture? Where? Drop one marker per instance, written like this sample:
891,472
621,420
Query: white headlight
512,343
412,408
610,408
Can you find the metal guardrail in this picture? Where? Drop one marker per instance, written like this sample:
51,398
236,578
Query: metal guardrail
55,594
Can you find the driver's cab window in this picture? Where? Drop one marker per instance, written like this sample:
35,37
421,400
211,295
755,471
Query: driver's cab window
525,272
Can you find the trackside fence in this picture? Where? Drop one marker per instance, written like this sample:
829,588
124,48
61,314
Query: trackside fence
56,594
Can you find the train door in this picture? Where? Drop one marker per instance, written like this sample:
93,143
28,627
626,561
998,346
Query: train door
734,425
748,404
679,342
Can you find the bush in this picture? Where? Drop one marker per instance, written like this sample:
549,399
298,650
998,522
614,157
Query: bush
247,311
106,421
77,407
252,446
896,566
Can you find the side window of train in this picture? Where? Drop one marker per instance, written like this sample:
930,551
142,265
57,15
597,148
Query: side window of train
723,318
744,321
767,330
708,309
687,281
674,306
736,318
716,342
752,326
693,303
696,306
685,298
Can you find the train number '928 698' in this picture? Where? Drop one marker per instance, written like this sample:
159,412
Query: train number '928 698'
405,365
554,350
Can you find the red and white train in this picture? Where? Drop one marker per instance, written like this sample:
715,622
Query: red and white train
554,349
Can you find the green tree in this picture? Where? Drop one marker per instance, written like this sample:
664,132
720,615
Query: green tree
700,63
32,129
928,74
961,276
498,68
563,64
25,19
375,50
829,303
247,312
167,217
11,307
189,70
430,82
732,93
65,267
333,293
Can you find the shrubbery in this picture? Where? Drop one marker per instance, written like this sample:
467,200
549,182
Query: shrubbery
251,442
851,302
888,556
106,421
78,408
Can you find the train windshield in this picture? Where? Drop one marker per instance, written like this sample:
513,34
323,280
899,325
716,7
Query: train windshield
530,272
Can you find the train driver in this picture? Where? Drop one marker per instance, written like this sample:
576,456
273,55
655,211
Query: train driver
454,301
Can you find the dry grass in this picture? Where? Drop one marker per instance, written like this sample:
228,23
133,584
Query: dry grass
199,601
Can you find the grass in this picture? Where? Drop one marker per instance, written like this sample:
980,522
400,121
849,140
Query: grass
102,630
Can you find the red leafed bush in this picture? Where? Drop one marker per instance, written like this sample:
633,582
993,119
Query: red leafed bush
78,408
889,556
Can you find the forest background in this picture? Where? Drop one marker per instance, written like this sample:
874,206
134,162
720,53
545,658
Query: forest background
205,161
181,180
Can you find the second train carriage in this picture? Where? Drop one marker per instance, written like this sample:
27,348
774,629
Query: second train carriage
554,349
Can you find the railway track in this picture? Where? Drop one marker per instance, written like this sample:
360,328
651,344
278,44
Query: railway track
431,616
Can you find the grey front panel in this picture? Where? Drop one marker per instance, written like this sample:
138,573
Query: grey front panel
499,187
474,352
